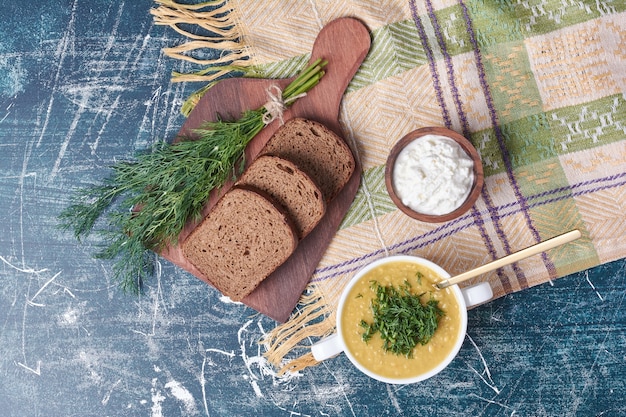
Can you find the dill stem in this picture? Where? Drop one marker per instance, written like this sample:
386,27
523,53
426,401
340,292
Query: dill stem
296,86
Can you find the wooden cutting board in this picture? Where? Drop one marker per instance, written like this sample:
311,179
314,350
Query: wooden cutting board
344,43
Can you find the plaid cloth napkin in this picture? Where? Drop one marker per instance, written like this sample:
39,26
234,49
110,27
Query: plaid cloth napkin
537,86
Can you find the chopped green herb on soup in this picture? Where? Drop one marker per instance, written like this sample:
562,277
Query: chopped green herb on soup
402,318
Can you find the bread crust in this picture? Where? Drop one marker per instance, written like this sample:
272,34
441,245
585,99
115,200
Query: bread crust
291,187
244,238
317,150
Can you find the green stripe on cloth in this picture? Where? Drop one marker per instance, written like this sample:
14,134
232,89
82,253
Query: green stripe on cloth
552,217
371,200
452,30
541,136
283,69
499,22
596,123
528,140
395,49
512,85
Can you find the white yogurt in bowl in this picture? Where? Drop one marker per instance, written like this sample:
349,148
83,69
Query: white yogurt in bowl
433,175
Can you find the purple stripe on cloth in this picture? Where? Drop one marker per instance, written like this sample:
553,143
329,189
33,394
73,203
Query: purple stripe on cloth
505,155
577,194
455,226
431,62
496,219
465,125
449,67
426,239
571,188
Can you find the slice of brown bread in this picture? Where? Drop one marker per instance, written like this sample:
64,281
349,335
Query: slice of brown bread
245,237
317,150
289,186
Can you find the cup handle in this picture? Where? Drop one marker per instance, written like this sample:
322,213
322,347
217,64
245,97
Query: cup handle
327,347
477,294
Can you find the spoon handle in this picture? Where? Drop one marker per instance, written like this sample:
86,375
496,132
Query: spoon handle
514,257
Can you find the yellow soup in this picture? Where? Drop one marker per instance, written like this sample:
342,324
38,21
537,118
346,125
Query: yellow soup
371,355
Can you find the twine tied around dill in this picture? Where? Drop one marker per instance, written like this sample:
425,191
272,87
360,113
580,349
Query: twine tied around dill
276,105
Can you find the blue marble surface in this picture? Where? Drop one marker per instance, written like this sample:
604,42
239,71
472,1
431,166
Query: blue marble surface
83,83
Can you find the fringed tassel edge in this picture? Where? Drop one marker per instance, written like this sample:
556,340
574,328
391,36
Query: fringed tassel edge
222,35
216,18
284,338
316,317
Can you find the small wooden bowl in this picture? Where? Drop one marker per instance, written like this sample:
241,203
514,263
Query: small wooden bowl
467,147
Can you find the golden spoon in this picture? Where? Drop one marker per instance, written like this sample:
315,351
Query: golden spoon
514,257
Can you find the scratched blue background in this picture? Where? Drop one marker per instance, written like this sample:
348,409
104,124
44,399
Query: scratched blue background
83,83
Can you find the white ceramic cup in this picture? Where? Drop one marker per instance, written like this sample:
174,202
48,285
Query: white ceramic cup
466,297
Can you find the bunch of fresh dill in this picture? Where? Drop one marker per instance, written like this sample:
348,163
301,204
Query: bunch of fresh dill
401,318
147,201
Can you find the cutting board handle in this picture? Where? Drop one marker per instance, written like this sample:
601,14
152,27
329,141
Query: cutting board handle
344,43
